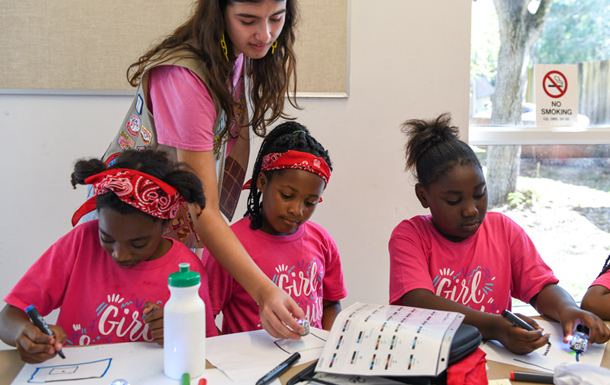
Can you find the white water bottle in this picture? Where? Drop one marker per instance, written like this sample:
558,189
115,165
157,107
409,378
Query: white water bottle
184,325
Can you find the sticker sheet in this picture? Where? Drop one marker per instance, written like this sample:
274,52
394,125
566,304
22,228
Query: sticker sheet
388,340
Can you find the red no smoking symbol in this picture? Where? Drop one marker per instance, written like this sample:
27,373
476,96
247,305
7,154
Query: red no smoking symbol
555,84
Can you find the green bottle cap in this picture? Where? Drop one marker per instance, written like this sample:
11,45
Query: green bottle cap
184,277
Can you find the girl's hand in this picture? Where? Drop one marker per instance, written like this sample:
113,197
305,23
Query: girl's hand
154,319
35,347
278,310
571,316
518,340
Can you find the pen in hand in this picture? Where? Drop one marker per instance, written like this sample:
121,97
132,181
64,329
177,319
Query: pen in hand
510,317
515,320
41,324
267,378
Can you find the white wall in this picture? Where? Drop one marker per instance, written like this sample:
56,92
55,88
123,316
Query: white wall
409,59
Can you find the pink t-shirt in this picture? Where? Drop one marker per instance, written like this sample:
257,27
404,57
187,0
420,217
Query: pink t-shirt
183,107
481,272
603,280
99,301
305,264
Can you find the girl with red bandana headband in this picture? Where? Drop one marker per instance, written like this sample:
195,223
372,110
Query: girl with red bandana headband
108,275
462,258
290,174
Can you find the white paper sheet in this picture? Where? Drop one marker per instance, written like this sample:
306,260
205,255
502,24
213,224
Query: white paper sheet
536,360
386,340
136,362
249,356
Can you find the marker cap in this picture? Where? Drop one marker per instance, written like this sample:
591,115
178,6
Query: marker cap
184,277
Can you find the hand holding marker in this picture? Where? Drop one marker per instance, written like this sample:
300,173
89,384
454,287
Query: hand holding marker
512,318
41,324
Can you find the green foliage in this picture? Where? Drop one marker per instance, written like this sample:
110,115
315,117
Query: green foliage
522,199
575,31
485,41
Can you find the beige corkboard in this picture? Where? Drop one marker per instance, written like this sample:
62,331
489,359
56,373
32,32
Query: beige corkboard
85,46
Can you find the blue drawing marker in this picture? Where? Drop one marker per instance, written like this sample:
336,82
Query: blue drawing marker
41,324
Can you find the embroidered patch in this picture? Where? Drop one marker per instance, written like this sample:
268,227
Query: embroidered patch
139,104
146,135
140,148
112,158
133,125
183,233
125,141
178,222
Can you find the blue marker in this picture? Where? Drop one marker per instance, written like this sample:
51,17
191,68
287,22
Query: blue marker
41,324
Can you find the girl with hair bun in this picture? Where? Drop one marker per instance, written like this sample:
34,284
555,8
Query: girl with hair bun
462,258
106,276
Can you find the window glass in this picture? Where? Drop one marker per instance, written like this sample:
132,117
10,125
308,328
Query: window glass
558,179
575,32
563,204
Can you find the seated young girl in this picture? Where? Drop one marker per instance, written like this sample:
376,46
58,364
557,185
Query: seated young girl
597,298
291,172
107,275
463,259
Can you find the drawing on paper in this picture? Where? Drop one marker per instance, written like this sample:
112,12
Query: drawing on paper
71,372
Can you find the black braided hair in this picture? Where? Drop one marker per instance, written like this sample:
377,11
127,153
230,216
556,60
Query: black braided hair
606,267
285,137
433,149
151,162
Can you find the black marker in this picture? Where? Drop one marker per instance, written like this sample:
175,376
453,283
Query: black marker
278,369
539,378
41,324
510,317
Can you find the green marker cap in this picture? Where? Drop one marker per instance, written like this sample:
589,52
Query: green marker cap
184,277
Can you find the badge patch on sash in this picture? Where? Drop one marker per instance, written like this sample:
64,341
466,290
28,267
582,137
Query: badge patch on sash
133,125
112,158
139,104
146,135
125,141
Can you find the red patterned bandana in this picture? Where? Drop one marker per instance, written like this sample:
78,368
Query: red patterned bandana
142,191
296,160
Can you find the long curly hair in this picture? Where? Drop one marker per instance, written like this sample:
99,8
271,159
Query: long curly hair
273,77
285,137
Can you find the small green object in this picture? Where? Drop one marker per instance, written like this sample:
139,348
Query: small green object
184,277
186,378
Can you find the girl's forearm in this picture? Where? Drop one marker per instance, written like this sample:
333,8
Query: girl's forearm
485,322
551,300
225,247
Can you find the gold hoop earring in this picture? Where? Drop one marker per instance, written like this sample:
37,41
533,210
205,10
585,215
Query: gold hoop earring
223,44
273,47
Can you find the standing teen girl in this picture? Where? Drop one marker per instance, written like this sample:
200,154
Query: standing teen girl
204,91
291,172
597,297
463,259
107,275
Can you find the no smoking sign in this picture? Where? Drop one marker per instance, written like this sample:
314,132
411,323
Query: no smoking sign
555,84
556,103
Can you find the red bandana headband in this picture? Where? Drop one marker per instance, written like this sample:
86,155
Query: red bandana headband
142,191
296,160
